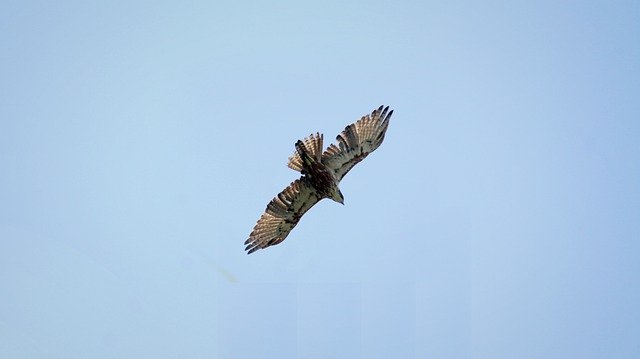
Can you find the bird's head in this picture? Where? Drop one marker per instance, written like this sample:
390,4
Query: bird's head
336,195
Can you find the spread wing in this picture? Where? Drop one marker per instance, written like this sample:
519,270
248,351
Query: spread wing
282,214
357,141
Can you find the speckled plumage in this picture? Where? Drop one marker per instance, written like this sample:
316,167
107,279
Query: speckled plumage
321,175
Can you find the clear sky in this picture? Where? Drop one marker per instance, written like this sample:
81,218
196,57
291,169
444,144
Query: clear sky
140,142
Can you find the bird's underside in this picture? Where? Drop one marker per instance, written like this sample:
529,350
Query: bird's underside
321,175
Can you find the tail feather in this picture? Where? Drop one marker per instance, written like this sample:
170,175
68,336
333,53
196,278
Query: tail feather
311,145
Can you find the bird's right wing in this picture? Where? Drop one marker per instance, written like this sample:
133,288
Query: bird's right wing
357,141
282,214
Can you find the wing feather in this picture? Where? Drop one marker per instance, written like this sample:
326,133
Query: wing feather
357,141
282,214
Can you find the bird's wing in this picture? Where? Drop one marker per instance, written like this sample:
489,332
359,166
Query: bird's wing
357,141
282,214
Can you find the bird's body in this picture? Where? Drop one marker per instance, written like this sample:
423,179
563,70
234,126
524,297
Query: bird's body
321,175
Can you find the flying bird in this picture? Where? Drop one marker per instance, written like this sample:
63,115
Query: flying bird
321,175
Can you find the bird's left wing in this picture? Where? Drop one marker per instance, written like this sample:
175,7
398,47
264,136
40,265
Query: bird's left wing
357,141
282,214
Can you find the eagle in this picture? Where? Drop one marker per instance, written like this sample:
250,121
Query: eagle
321,175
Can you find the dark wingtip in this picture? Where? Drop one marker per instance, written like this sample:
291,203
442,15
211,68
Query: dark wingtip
250,248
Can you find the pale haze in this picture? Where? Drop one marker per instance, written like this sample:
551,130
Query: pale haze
141,141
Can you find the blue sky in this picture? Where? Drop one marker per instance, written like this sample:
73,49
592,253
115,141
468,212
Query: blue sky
140,142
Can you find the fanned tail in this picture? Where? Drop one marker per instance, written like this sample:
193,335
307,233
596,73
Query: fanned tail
312,145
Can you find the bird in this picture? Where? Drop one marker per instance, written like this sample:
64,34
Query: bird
321,173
